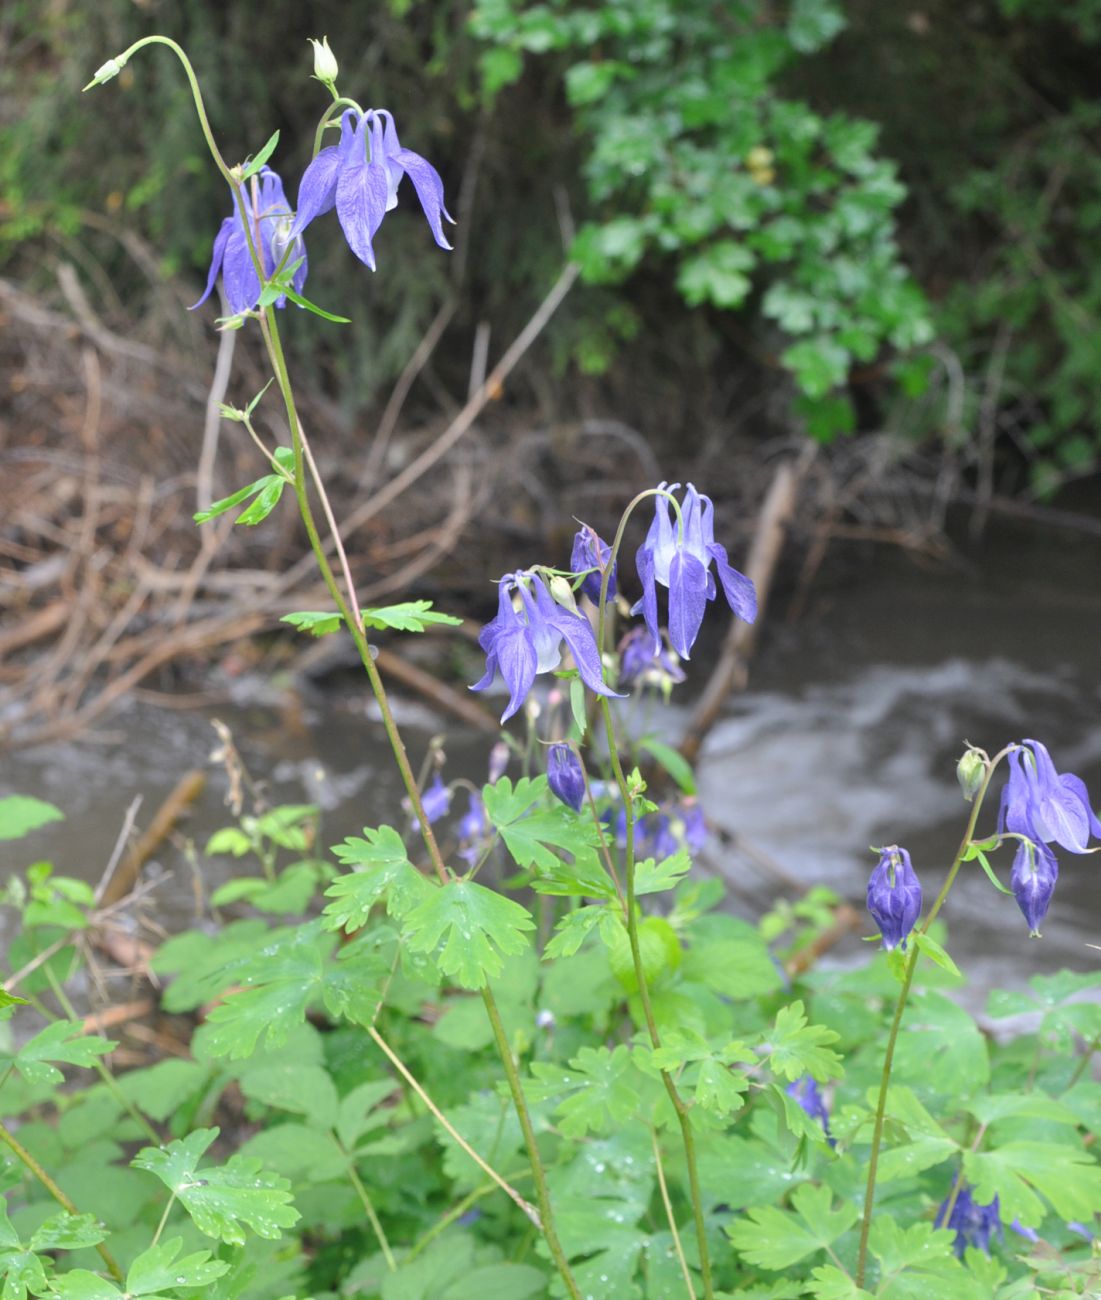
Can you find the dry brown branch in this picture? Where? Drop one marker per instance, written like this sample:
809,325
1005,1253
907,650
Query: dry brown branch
123,879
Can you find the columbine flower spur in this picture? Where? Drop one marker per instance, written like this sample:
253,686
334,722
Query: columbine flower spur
360,177
523,642
269,217
894,896
680,559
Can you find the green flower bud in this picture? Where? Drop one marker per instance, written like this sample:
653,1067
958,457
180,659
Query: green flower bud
970,771
324,61
110,69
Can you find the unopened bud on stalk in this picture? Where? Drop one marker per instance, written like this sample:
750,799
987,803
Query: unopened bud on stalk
107,72
970,771
325,67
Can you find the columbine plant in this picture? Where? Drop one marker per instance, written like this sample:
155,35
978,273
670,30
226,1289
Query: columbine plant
663,1119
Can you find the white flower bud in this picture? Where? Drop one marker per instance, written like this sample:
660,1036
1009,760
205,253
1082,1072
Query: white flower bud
324,61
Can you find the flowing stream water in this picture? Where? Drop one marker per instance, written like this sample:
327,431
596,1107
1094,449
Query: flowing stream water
846,738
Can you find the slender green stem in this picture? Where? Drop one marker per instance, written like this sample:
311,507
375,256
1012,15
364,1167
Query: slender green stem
542,1195
591,801
339,101
1082,1065
403,1070
456,1212
681,1108
670,1216
904,993
164,1219
349,611
103,1072
606,571
369,1210
25,1158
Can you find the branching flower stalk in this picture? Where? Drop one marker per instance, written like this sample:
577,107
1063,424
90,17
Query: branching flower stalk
900,1007
348,606
680,1107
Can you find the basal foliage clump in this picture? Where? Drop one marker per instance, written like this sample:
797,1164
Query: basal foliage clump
589,1080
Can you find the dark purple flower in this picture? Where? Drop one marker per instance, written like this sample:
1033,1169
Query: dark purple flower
359,176
520,643
591,552
894,896
1045,805
806,1092
565,776
682,562
1033,878
269,220
972,1223
639,662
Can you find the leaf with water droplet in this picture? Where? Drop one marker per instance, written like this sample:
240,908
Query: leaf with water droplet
470,929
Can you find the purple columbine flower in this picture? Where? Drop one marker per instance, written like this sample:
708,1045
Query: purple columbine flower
1045,805
894,896
972,1223
638,662
270,221
695,824
472,824
435,800
592,552
682,562
521,643
806,1092
565,776
1035,871
359,176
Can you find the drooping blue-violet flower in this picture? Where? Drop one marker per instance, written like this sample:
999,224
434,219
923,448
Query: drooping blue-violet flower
681,559
592,552
973,1224
1035,871
639,662
472,824
435,800
359,176
565,776
269,220
894,896
1044,804
806,1092
526,639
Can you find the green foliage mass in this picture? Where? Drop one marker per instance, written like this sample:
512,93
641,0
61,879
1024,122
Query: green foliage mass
334,1179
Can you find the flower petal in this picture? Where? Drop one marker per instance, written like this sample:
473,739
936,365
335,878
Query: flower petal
739,591
317,189
239,278
516,659
687,600
217,253
648,605
429,186
361,206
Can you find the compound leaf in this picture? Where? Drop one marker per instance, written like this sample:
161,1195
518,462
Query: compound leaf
221,1198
